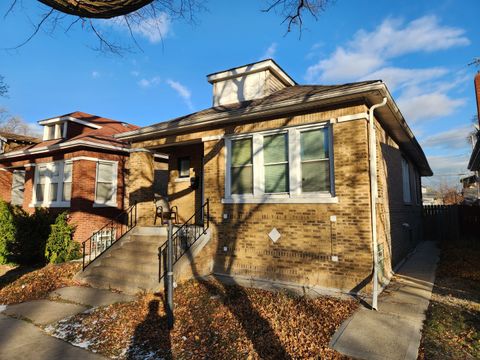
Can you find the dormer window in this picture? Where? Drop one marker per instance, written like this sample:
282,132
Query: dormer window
55,131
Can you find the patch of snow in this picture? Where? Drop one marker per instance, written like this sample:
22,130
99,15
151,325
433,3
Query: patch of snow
3,307
82,344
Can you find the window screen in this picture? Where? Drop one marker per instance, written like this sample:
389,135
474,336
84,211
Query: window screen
105,187
241,167
315,163
184,167
18,187
407,196
275,159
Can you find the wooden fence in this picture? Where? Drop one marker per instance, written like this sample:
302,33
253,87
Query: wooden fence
451,223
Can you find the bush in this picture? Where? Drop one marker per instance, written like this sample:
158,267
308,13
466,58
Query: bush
60,245
32,233
8,233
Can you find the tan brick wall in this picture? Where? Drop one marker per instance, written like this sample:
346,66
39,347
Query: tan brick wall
309,239
393,213
83,214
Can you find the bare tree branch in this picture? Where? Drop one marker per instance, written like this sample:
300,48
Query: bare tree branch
3,87
37,29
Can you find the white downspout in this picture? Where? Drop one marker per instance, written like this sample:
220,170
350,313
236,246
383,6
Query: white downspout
372,145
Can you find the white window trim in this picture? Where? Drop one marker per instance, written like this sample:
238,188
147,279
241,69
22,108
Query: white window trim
295,194
61,174
113,203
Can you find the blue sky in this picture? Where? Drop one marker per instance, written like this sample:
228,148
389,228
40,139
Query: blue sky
421,50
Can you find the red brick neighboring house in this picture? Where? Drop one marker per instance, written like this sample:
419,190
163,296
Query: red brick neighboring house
79,167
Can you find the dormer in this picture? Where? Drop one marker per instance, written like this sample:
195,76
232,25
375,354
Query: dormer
248,82
65,127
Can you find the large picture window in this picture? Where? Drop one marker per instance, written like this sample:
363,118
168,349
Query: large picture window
53,183
106,184
287,165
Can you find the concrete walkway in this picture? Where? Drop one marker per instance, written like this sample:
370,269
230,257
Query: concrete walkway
23,340
393,332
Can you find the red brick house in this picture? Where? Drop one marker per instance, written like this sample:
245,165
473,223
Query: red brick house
79,167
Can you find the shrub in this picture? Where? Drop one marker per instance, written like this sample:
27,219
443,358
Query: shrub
32,233
7,233
60,245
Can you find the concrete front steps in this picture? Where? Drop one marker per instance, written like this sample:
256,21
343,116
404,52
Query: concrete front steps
131,264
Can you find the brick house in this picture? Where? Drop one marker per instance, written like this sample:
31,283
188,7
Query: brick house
10,141
78,166
291,176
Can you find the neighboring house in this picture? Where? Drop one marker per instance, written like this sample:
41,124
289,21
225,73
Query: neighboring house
79,167
10,141
286,170
474,163
430,197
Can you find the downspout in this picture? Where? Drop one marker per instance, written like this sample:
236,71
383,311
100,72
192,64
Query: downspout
372,145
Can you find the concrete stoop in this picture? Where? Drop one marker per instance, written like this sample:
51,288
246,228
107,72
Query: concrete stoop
131,265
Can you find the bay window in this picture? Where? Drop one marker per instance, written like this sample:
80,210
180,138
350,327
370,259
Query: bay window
52,184
286,165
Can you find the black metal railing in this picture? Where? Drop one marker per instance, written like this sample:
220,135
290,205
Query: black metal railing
184,236
102,239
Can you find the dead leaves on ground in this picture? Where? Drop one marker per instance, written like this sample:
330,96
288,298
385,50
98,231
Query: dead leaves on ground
214,321
452,326
38,284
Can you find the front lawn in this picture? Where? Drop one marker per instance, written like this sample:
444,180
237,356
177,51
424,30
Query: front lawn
212,321
452,327
26,283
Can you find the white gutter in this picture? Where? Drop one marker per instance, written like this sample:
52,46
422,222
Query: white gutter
372,144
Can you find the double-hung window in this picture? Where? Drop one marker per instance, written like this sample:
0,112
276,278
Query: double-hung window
286,165
106,184
18,186
241,169
315,160
53,184
275,161
407,196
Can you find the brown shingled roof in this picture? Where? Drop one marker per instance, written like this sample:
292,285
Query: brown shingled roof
297,92
102,136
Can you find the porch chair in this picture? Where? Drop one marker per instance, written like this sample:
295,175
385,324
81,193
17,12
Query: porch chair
163,210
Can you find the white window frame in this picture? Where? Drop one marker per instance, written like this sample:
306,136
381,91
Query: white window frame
295,195
61,174
114,202
59,131
406,182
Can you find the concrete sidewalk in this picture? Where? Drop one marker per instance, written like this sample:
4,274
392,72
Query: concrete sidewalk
21,339
393,332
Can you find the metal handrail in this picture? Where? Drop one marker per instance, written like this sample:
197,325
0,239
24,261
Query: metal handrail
102,239
184,237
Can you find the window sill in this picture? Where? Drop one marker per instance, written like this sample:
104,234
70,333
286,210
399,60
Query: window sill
182,179
65,204
313,199
99,205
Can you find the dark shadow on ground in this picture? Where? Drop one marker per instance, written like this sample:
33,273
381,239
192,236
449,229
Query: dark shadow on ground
11,275
151,336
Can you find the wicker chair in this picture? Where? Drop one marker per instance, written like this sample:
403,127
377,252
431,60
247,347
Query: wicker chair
163,211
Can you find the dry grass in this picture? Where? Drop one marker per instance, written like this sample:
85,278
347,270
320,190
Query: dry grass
452,327
213,321
23,284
